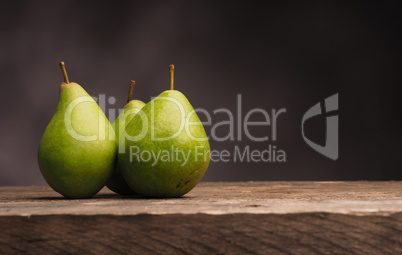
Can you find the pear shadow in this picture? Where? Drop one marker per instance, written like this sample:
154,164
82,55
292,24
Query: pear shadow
108,197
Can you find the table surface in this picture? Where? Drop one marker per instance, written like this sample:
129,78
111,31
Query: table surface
214,218
217,198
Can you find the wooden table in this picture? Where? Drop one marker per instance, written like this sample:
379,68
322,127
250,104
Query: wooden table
215,218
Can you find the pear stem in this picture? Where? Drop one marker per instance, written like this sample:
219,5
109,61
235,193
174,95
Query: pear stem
130,92
171,68
63,70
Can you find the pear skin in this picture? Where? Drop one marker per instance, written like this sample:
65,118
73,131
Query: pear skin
77,152
169,127
117,182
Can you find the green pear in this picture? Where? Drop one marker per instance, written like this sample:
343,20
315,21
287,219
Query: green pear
77,153
166,150
117,182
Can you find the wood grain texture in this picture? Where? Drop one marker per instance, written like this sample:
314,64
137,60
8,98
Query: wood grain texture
215,218
203,234
217,198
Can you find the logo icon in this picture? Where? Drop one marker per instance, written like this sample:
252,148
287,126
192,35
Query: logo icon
330,149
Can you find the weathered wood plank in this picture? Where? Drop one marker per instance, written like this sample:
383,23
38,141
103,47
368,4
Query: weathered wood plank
214,218
313,233
217,198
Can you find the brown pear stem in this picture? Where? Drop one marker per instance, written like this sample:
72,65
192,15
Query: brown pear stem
63,70
171,68
130,92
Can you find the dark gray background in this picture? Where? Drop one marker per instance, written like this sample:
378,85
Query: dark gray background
276,55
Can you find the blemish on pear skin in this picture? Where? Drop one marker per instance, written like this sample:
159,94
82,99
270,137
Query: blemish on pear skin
180,185
197,168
